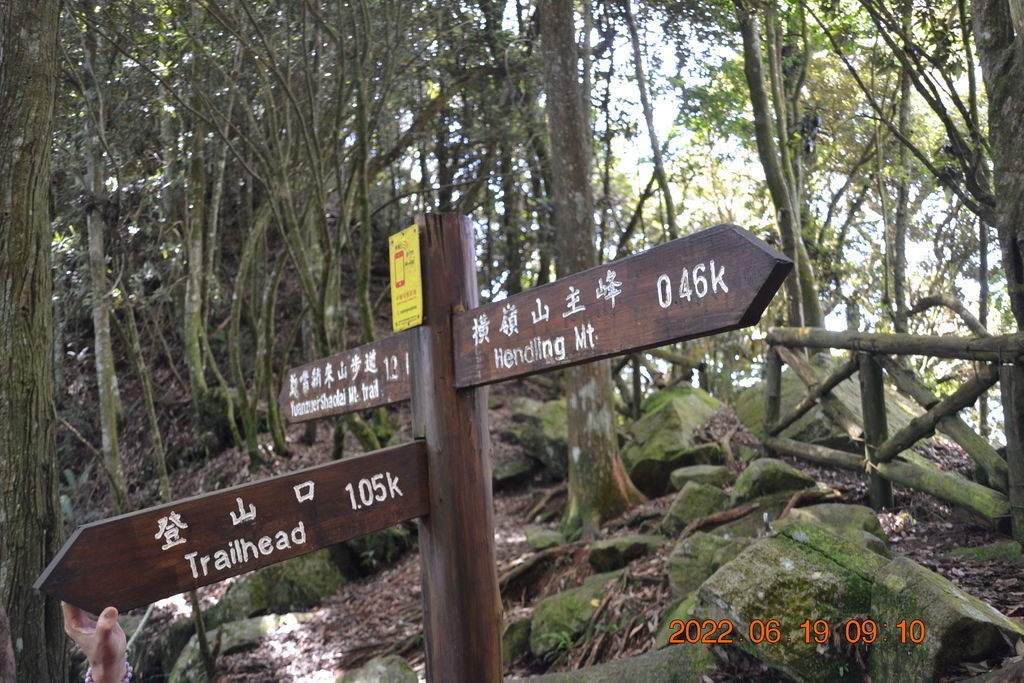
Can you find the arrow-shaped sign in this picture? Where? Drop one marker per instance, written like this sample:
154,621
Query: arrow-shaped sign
136,559
712,281
371,375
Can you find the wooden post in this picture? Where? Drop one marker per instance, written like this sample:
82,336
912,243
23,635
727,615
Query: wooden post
772,389
461,603
876,429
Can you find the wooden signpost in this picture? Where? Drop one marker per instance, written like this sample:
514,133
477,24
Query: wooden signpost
712,281
139,558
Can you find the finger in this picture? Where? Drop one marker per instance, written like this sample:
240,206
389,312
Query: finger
107,621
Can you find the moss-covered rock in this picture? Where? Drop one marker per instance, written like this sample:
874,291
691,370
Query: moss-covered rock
692,560
666,431
856,523
682,664
954,627
615,553
387,669
233,637
712,475
542,538
692,502
766,476
1003,551
814,426
804,573
679,610
293,585
559,619
515,640
541,428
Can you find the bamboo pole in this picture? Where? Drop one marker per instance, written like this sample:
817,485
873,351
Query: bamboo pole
982,500
819,455
1005,348
924,425
831,382
876,428
833,407
953,426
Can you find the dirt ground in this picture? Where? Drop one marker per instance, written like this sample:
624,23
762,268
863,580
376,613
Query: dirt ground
382,614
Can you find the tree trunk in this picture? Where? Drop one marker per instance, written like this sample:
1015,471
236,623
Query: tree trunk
99,205
598,486
803,306
31,529
997,33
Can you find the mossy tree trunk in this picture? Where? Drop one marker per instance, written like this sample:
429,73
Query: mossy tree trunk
998,33
598,486
31,528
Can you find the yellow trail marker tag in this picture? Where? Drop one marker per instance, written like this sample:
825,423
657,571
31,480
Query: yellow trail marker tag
406,287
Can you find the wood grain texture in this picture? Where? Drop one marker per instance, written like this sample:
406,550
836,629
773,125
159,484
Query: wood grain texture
461,604
368,376
712,281
130,561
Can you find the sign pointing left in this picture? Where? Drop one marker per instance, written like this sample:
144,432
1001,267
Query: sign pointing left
139,558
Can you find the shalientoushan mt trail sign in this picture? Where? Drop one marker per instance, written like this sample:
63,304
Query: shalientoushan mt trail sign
711,281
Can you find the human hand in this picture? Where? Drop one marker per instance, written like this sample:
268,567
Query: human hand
102,640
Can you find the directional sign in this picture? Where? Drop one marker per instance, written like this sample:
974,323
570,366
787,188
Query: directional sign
712,281
136,559
371,375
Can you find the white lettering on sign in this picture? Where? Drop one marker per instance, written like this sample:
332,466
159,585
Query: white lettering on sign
243,515
608,288
293,385
543,312
357,362
373,490
329,376
304,380
481,328
371,391
371,362
509,320
584,336
316,378
241,551
693,283
353,394
323,402
170,530
572,302
536,351
304,491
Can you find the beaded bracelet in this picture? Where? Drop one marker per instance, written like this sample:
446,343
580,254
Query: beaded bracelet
126,679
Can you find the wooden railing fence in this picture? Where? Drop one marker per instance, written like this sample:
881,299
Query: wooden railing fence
872,355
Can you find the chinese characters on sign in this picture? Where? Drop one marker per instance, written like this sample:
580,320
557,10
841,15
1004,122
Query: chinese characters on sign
711,281
372,375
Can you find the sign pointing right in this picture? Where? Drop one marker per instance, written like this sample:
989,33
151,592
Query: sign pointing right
712,281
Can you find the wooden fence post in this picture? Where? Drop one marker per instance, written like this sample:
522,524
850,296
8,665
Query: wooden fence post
461,602
772,389
876,430
1011,385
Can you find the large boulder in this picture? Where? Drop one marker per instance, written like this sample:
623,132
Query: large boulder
814,427
857,523
294,585
713,475
654,477
685,664
667,429
610,554
767,476
804,573
559,619
387,669
694,501
693,560
952,627
541,428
